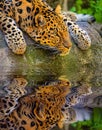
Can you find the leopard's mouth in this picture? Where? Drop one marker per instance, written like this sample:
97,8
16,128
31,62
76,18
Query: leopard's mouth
67,44
65,49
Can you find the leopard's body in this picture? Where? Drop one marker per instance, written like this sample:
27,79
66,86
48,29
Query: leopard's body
41,23
47,106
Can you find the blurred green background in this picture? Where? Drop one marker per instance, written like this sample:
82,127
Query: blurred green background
92,7
95,123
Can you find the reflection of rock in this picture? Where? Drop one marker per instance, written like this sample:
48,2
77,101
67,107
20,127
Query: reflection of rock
82,114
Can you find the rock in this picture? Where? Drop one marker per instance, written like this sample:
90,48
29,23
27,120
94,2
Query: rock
39,64
91,60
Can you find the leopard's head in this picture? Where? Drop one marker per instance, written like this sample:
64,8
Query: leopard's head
49,29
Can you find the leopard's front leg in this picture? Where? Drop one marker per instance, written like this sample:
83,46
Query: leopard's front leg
80,36
13,35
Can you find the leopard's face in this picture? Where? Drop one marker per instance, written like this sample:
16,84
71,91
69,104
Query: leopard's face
50,30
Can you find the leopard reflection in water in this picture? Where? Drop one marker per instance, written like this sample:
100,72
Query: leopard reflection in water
47,106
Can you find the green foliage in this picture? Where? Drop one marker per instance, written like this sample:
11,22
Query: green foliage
92,7
95,123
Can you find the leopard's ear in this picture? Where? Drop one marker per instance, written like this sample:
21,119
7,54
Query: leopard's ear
58,9
39,111
40,20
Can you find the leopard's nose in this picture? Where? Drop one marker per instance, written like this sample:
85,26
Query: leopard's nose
66,40
67,43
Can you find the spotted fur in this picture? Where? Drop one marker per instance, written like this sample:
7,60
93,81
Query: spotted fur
38,20
80,36
40,110
15,90
43,24
47,106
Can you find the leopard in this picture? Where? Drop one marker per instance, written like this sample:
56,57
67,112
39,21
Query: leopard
43,24
48,105
38,20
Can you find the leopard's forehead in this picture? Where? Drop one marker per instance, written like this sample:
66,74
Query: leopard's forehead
53,20
51,17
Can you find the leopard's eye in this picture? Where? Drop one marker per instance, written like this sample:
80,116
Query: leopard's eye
40,20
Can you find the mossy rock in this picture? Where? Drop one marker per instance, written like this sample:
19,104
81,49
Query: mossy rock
39,64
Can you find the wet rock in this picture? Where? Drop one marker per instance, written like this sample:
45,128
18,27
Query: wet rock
78,66
88,63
